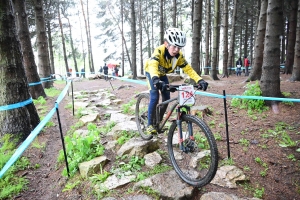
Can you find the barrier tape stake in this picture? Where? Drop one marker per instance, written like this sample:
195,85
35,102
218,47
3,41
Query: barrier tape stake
62,140
111,84
226,121
72,96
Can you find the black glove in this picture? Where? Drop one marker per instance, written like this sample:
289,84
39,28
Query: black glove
160,85
202,85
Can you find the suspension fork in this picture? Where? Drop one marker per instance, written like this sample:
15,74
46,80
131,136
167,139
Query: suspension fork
179,126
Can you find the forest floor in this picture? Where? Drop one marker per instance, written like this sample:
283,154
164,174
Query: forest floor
252,136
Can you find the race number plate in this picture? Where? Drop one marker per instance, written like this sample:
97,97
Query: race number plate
186,95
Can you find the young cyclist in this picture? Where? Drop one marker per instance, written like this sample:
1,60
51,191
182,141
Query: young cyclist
164,60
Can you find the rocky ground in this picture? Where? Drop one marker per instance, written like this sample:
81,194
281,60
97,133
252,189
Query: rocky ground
280,178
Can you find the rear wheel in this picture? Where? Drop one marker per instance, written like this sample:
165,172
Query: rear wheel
196,161
141,115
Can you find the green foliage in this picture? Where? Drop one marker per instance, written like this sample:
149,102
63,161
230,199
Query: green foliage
227,161
247,168
250,104
127,108
11,184
52,92
39,101
100,178
70,185
125,136
81,148
292,157
259,193
202,142
79,113
107,128
218,136
263,173
244,142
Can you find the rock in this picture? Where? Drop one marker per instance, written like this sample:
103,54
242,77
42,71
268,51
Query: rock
152,159
93,166
138,147
113,182
228,175
89,118
168,185
223,196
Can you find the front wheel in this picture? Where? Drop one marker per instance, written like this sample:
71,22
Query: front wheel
196,160
141,114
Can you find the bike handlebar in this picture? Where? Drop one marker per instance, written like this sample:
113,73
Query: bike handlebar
174,88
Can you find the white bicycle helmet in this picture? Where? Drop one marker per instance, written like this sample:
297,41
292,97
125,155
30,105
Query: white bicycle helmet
175,37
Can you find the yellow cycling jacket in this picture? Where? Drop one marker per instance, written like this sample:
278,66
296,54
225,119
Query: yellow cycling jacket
159,65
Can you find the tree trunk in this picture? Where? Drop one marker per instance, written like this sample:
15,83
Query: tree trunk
42,43
174,13
296,69
259,43
232,38
87,37
63,42
35,90
196,36
52,68
72,47
123,39
161,21
246,34
133,38
141,37
215,42
270,81
225,39
291,37
82,45
207,33
122,33
13,82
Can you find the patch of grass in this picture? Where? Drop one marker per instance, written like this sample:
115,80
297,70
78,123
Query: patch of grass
40,101
218,136
81,148
71,185
52,92
69,106
127,108
227,161
125,136
244,142
250,104
79,113
259,192
11,184
292,157
247,168
37,144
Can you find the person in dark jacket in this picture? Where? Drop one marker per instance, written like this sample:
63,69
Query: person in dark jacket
239,64
105,71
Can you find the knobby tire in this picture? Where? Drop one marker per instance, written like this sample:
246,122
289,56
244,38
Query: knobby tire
198,165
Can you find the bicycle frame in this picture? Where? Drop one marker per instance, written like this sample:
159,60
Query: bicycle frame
161,123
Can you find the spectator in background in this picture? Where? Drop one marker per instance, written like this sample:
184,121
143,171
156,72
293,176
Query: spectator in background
239,64
246,65
101,70
69,72
116,71
82,73
105,71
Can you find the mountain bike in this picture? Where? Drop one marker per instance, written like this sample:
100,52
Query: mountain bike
191,145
